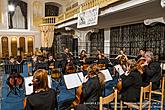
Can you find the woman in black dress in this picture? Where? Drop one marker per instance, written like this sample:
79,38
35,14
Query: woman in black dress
43,97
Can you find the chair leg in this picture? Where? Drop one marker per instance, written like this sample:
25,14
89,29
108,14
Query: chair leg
149,106
121,105
162,100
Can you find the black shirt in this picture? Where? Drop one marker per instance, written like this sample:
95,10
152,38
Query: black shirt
152,72
91,93
131,85
42,101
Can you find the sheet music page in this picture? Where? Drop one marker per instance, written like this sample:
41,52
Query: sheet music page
119,69
81,76
73,80
28,89
28,80
107,75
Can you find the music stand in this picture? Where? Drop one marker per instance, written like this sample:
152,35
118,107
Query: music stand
13,88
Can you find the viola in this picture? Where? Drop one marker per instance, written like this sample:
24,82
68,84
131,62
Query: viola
119,86
55,74
85,67
138,65
70,68
101,66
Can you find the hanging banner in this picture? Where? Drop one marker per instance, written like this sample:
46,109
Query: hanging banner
88,17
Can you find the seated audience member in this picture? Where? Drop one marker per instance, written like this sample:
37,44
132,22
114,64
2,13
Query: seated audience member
131,83
91,89
43,97
152,71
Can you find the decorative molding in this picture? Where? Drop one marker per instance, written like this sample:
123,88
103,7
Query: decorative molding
153,21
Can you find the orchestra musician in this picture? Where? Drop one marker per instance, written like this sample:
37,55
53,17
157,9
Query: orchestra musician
131,82
122,56
34,63
43,97
102,61
69,66
67,55
91,89
100,52
51,62
141,54
82,60
152,71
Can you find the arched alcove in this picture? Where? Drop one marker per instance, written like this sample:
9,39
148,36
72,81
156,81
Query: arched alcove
22,45
14,46
30,45
5,49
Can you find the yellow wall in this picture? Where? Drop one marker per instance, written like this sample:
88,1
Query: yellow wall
0,12
37,13
71,2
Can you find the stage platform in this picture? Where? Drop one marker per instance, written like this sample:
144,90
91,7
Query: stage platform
64,98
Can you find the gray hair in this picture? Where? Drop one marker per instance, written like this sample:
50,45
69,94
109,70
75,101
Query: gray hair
150,54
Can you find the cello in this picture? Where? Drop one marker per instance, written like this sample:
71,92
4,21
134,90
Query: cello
79,96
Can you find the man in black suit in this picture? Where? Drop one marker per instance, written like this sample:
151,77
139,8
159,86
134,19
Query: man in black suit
152,71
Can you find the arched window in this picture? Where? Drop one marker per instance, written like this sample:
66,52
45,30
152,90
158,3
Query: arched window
5,49
17,14
52,9
96,40
22,45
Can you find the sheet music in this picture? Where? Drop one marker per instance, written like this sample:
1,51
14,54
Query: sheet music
28,80
119,69
73,80
107,75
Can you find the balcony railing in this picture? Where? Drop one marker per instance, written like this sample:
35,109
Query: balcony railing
70,14
49,20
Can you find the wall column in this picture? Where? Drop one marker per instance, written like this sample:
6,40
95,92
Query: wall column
18,45
0,46
9,45
107,41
